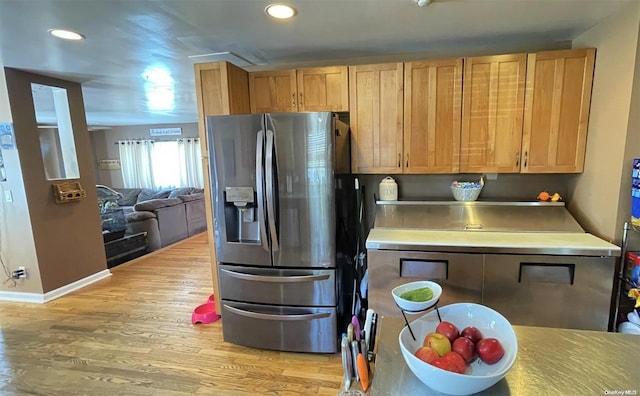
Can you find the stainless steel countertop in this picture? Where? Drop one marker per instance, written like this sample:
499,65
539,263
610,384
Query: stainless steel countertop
476,216
578,244
550,362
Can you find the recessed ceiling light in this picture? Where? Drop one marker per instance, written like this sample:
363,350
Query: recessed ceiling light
280,11
66,34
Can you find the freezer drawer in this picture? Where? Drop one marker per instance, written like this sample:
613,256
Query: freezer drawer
299,287
295,329
572,292
459,274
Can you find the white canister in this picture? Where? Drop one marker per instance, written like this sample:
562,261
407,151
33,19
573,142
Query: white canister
388,189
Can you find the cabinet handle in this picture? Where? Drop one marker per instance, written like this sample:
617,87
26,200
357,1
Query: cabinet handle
300,100
293,100
399,160
517,158
525,158
407,160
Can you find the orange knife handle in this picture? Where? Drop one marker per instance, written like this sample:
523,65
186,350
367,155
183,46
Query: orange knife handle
363,372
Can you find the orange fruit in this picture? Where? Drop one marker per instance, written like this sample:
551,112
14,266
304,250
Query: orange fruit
544,196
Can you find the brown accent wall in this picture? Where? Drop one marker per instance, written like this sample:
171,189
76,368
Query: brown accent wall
68,237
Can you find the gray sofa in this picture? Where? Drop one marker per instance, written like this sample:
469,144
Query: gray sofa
167,216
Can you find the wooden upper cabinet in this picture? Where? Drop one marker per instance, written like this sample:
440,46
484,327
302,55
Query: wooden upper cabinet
376,118
492,113
221,89
273,91
309,89
323,89
556,115
432,112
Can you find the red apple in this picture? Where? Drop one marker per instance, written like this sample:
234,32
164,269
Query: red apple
442,363
464,347
448,330
438,343
490,350
471,333
427,354
458,363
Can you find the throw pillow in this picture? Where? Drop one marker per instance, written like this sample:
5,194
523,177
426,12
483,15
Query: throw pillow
129,196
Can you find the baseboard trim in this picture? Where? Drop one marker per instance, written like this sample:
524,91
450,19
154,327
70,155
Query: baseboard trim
22,297
52,295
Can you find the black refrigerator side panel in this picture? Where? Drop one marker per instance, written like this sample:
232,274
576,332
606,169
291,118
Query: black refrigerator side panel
345,237
233,143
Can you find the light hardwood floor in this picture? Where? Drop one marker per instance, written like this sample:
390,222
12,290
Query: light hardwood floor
131,334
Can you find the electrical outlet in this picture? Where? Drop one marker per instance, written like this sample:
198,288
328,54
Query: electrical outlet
24,272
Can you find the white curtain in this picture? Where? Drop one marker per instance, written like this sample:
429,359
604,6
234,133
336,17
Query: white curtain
135,162
190,163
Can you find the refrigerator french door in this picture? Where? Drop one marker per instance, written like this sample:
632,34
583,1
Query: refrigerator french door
272,185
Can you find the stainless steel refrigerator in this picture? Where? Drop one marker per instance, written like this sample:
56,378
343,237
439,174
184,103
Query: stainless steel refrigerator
276,222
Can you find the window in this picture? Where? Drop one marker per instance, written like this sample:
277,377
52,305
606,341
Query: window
164,162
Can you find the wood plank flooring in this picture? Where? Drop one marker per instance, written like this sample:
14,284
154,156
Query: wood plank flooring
131,334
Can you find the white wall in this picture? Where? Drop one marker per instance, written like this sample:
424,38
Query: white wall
17,246
104,147
597,192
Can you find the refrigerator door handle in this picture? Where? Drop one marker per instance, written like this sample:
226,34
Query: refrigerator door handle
276,279
260,190
271,207
278,318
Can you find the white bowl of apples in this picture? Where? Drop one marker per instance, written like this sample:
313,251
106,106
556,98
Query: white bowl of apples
473,348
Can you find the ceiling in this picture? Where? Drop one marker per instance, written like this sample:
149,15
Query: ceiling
130,42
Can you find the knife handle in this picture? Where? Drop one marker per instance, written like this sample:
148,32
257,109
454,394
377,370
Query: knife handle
346,362
356,328
364,351
355,350
364,372
367,326
372,340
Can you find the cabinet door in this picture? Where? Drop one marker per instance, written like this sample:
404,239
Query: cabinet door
459,274
273,91
556,113
375,98
432,112
492,111
537,290
323,89
222,89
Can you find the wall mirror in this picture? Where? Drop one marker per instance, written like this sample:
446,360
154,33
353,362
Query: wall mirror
55,131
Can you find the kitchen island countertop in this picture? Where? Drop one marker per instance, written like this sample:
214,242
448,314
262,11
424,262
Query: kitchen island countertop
549,361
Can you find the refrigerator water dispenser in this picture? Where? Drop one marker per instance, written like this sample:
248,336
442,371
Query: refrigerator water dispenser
239,215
